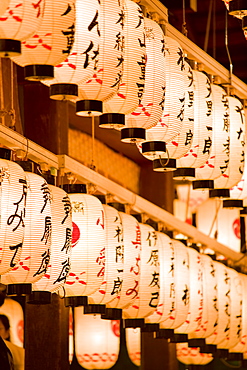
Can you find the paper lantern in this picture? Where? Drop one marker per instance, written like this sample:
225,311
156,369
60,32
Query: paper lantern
3,6
218,161
13,310
202,137
61,237
133,344
178,75
19,22
237,8
192,355
131,88
97,341
126,283
35,251
88,246
71,336
208,316
213,219
114,261
196,292
51,43
227,330
235,167
12,208
108,67
238,194
173,305
151,106
79,64
149,286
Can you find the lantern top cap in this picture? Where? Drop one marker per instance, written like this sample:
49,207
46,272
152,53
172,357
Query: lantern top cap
75,188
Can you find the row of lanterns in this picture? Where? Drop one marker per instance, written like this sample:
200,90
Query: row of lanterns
138,78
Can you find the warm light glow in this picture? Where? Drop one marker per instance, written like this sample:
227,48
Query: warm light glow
192,356
3,6
13,310
133,344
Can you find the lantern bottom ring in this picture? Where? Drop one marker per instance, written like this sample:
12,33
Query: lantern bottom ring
63,91
9,48
112,314
203,184
38,72
184,173
75,301
39,297
133,323
133,135
93,309
112,120
89,108
164,164
19,289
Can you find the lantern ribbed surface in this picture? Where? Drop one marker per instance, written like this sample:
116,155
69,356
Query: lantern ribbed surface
21,19
35,252
109,58
131,88
241,346
13,310
196,292
88,246
239,191
234,171
218,161
3,6
97,341
151,106
224,286
54,39
126,284
149,287
12,208
61,237
79,64
133,344
192,355
202,138
208,316
114,263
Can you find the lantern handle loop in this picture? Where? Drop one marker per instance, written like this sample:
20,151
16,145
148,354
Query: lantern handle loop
163,164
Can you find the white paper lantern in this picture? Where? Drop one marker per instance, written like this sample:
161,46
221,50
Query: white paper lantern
79,64
208,316
13,310
192,355
196,292
237,8
12,208
19,22
35,251
149,286
218,161
226,332
234,171
202,138
151,106
3,6
97,341
238,193
131,89
114,252
71,336
61,237
108,67
52,42
126,284
133,344
88,246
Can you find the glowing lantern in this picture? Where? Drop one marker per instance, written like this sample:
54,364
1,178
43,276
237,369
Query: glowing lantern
202,138
235,168
227,331
61,234
3,6
151,106
71,336
131,89
149,286
13,310
88,246
79,64
173,305
133,344
238,194
19,22
97,341
192,355
12,208
237,8
108,60
51,43
218,161
213,219
35,251
174,117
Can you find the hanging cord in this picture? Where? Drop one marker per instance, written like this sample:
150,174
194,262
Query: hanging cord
208,25
229,365
92,166
163,164
187,203
12,110
2,111
215,220
214,30
227,48
184,28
